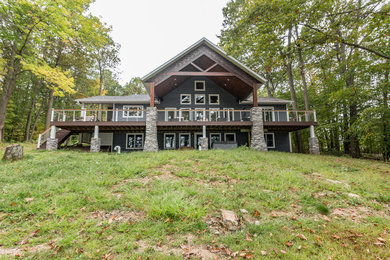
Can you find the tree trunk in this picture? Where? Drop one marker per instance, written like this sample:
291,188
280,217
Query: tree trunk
29,118
292,91
13,67
36,119
386,120
303,75
49,108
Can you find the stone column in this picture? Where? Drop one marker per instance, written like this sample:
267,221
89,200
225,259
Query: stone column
52,142
151,144
314,147
204,143
95,141
257,134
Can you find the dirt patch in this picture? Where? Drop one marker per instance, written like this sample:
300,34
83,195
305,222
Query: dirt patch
19,251
118,216
357,214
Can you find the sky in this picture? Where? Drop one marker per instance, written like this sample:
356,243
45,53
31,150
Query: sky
151,32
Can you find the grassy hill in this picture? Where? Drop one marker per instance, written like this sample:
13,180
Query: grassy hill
167,204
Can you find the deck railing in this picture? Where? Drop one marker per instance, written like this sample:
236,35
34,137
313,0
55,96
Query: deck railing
96,115
42,138
289,115
179,115
193,115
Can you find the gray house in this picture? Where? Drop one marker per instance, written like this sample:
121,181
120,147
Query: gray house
200,99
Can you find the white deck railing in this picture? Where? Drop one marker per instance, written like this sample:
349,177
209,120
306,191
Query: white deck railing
102,115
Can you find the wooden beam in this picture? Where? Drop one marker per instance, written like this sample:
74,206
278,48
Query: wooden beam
255,101
152,94
212,66
196,66
203,73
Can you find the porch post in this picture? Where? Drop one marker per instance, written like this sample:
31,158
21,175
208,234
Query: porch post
151,144
204,141
52,141
257,133
152,94
314,147
95,141
255,101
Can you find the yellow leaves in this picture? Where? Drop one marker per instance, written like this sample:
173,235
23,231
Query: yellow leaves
61,81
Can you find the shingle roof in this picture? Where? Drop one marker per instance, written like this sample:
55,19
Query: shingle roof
132,99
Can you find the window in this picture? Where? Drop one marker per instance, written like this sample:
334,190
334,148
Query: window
185,99
184,115
200,99
214,137
214,114
170,114
169,141
230,137
133,111
200,85
268,114
270,140
228,114
184,140
200,114
135,141
214,99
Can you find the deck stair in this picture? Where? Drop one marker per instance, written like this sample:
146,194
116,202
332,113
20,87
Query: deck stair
61,135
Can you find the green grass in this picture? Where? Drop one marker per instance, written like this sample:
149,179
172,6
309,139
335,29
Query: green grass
50,204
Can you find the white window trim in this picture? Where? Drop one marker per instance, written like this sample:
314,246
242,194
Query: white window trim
204,99
174,141
204,85
195,139
226,111
273,112
273,139
204,114
186,110
169,109
127,107
219,134
180,135
235,139
214,110
181,97
210,95
127,141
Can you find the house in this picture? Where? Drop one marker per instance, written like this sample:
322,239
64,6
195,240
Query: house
200,99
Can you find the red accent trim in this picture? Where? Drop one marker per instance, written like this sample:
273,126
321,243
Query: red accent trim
152,94
255,103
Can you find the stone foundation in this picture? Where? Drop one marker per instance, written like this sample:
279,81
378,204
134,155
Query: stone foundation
151,144
204,143
95,145
314,147
257,133
52,144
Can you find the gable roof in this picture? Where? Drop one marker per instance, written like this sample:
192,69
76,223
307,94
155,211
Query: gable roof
212,46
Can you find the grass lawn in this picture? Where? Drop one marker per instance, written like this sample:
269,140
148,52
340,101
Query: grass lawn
69,204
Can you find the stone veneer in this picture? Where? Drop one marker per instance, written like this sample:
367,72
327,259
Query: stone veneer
95,145
257,133
204,143
314,147
52,144
151,144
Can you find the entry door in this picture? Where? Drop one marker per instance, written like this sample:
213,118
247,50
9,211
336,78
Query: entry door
197,140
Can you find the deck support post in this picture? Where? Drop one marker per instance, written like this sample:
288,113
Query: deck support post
151,144
95,141
314,147
257,133
52,141
204,141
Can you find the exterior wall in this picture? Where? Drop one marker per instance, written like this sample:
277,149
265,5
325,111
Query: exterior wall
282,142
119,138
120,113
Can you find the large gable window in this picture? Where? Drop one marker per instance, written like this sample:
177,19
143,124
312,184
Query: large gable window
200,85
270,140
200,99
214,99
133,111
134,141
185,99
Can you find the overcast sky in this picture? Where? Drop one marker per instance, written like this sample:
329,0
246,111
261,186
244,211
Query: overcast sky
151,32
